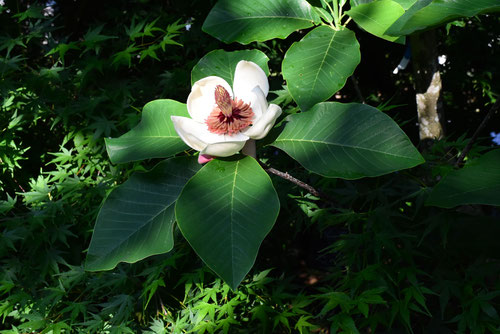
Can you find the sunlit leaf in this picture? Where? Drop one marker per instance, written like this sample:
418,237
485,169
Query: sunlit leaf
376,17
153,137
258,20
426,13
319,65
349,141
224,212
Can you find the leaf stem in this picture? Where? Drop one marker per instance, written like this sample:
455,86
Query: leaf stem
340,12
336,16
357,89
333,12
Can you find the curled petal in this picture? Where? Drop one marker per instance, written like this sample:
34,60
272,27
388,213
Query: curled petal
189,131
257,101
262,126
201,100
223,149
247,76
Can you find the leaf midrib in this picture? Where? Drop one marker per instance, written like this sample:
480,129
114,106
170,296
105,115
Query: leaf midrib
148,222
171,136
342,145
267,17
321,64
231,225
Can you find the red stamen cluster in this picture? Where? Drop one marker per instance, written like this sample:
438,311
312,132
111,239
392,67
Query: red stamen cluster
229,116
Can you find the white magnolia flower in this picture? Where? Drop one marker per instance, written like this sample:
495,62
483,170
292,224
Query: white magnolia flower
223,119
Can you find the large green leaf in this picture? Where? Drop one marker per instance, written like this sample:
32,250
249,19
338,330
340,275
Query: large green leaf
319,65
425,13
404,3
153,137
222,64
137,218
224,212
258,20
478,182
377,16
348,141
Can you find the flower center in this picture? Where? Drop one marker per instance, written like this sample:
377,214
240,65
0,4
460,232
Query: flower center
228,116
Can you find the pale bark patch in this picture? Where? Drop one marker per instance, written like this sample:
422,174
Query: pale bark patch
427,108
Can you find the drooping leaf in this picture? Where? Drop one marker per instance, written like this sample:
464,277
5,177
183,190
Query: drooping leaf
153,137
349,141
224,212
258,20
223,63
478,182
404,3
425,14
377,16
136,220
319,65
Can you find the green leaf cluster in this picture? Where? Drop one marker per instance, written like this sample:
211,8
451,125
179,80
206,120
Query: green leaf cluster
380,253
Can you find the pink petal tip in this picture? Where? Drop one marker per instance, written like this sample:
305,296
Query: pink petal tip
204,158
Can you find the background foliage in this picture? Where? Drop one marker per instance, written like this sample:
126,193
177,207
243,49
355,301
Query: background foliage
371,259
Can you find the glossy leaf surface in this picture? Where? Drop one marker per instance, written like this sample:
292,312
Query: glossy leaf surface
418,15
404,3
349,141
425,14
376,17
153,137
318,66
258,20
137,218
224,212
222,64
478,182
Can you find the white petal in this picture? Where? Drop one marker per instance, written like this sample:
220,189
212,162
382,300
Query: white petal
261,128
197,136
257,101
248,75
224,149
188,129
201,100
200,130
230,138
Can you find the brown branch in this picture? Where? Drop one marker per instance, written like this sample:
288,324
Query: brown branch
284,175
357,89
294,180
20,187
476,134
